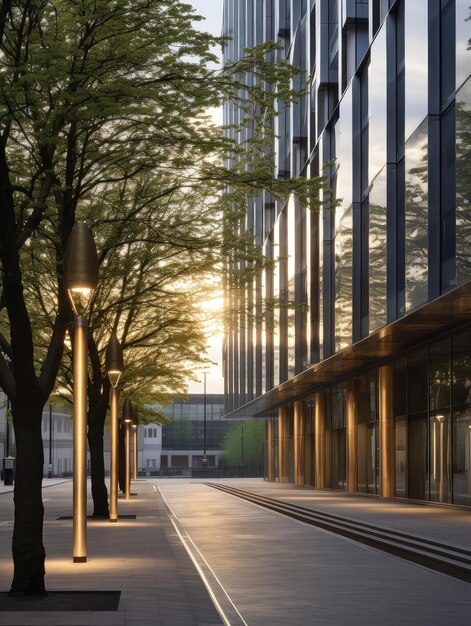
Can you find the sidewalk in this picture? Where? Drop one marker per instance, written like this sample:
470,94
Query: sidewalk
142,558
441,523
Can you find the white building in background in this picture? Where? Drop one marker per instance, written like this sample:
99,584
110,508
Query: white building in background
152,449
57,432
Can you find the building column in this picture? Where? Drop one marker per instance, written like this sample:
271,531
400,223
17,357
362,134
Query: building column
269,450
352,436
299,422
283,445
319,434
387,431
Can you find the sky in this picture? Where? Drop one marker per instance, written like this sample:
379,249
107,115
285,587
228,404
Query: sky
212,11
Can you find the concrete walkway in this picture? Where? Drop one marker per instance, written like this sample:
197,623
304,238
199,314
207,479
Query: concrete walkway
143,558
279,571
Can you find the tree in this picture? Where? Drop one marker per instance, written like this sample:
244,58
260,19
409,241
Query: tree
95,94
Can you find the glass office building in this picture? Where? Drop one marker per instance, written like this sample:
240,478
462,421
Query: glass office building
365,382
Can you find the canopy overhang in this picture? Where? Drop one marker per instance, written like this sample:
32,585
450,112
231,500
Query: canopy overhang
443,314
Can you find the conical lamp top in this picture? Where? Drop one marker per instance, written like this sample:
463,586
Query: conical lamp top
127,414
80,271
114,359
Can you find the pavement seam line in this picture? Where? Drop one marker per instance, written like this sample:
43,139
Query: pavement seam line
185,539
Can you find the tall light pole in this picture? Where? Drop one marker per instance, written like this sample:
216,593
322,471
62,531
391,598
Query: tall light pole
205,458
80,276
114,368
135,426
49,471
127,418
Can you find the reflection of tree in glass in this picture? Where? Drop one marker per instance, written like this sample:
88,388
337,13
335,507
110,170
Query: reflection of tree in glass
377,262
463,183
343,282
417,217
462,380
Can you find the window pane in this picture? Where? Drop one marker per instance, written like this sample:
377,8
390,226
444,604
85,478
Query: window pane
463,182
343,282
416,63
463,35
462,457
416,162
377,241
377,105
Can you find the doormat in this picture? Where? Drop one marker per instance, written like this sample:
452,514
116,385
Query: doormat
62,601
97,519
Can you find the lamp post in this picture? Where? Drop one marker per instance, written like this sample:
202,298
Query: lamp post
49,471
114,368
80,276
205,458
135,426
127,418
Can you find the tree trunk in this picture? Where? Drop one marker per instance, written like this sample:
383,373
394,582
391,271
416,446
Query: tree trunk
28,549
96,427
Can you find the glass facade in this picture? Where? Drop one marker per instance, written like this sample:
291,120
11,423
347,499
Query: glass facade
387,120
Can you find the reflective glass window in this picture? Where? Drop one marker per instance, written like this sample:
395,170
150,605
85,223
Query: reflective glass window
267,323
461,387
291,295
462,456
463,182
416,63
377,83
448,199
275,304
377,242
417,382
463,35
417,457
440,456
343,154
338,438
440,375
343,281
416,217
401,456
321,284
461,398
367,434
447,54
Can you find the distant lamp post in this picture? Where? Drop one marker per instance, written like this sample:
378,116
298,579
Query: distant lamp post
80,276
205,458
114,369
50,471
127,418
135,426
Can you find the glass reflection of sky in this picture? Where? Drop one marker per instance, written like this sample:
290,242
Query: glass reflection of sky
416,63
377,84
343,149
463,35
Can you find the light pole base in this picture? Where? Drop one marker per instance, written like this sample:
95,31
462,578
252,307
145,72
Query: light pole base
113,521
80,559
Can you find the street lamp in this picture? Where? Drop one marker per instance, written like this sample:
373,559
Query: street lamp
135,426
205,458
50,471
114,368
80,276
127,418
